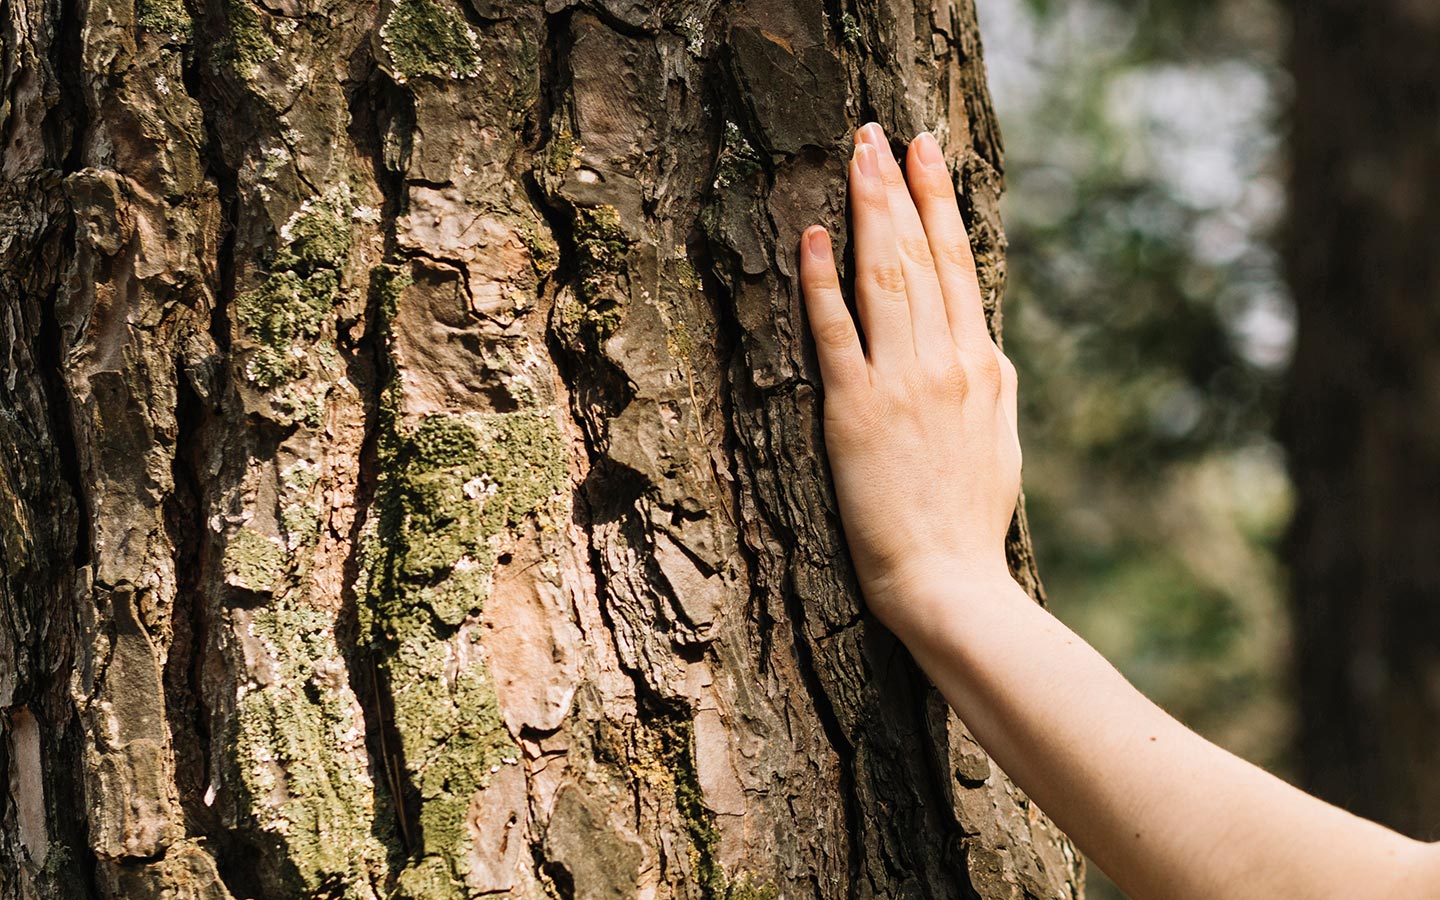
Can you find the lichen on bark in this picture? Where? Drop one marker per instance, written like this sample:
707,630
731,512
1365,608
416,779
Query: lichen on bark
286,314
429,37
295,731
453,489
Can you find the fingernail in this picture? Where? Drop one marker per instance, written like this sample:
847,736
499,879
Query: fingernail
929,149
818,243
869,163
874,134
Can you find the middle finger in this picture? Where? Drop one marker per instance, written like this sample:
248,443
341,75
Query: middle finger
931,328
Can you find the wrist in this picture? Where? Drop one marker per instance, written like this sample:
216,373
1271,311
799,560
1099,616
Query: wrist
912,601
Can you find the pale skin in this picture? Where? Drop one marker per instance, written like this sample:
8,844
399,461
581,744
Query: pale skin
921,435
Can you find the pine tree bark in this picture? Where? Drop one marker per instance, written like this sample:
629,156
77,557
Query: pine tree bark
1359,419
413,485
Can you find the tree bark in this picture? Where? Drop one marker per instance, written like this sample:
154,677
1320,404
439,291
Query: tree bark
413,482
1359,419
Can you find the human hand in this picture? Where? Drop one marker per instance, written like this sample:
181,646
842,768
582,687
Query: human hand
920,424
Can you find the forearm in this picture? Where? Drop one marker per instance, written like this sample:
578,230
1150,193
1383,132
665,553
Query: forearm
1162,811
920,427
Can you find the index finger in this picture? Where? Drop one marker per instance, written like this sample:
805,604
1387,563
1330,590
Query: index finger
837,344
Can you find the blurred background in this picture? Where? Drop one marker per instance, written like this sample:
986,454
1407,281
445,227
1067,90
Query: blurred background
1148,159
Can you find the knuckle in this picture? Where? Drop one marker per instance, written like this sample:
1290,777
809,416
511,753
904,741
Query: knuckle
875,199
984,369
834,332
865,417
938,186
1008,370
956,252
950,372
942,374
819,280
916,248
889,279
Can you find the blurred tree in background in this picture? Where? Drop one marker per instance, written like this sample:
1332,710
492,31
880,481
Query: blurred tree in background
1359,417
1148,317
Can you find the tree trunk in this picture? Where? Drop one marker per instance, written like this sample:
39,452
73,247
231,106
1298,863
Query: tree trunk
413,483
1360,419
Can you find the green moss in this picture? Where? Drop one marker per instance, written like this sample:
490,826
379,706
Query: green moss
452,489
560,152
544,255
444,441
746,889
300,514
524,71
599,224
285,315
165,17
295,402
689,278
850,29
436,506
664,758
426,37
389,283
678,339
525,453
253,561
737,161
452,484
247,42
296,740
319,235
676,735
431,879
602,247
302,525
300,477
450,727
60,871
281,315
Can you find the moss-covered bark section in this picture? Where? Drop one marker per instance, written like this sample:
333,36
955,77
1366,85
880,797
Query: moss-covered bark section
285,315
453,491
290,757
429,37
297,731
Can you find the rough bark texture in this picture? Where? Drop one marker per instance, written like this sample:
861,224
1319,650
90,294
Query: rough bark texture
1360,418
413,485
